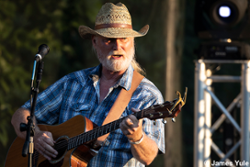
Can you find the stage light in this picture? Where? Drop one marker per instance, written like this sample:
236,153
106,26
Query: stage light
224,11
227,13
217,19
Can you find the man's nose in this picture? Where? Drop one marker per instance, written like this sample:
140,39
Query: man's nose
116,44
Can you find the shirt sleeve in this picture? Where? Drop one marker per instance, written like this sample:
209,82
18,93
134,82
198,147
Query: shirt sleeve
145,96
48,103
155,129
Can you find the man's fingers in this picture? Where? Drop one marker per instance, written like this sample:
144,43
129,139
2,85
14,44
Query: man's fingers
50,151
130,125
126,126
48,138
43,153
44,145
129,122
46,150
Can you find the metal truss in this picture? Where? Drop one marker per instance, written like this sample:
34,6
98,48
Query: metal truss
203,130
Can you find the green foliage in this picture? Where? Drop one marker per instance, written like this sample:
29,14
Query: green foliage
24,26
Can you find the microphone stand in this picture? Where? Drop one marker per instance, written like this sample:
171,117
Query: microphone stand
28,146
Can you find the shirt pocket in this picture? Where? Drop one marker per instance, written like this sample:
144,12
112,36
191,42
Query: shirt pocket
80,109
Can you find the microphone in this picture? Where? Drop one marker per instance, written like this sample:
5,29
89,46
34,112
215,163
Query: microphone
42,51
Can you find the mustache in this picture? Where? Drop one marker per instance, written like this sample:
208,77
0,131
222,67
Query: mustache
115,52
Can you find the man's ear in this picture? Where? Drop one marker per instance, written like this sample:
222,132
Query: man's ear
93,39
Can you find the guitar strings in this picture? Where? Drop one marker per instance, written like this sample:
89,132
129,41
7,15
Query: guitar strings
74,141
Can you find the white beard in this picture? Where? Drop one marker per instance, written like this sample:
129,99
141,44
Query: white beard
116,65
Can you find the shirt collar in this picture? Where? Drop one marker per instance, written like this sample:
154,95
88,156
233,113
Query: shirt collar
95,73
124,82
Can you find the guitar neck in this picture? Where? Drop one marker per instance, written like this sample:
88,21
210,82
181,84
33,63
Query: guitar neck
97,132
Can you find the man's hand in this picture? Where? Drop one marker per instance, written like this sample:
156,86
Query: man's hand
132,127
44,143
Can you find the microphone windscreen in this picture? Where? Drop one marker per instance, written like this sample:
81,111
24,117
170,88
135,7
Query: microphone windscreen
43,50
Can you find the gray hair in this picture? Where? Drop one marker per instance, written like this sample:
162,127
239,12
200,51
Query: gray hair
137,67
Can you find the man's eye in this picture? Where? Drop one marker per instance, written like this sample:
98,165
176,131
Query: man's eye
107,40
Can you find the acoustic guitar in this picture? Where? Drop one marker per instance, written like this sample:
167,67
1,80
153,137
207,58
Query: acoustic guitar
74,138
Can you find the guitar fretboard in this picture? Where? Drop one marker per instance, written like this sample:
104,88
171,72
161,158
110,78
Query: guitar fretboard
96,132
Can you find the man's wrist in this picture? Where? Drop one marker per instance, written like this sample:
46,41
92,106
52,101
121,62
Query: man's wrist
137,142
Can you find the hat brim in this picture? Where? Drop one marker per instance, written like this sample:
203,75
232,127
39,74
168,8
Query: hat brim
86,32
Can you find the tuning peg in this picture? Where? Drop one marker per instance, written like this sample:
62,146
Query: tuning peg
164,121
173,120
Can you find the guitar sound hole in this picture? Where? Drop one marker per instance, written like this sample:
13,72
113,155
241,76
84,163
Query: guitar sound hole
61,146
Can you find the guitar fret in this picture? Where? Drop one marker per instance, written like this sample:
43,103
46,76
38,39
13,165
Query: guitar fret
81,139
107,129
111,127
72,143
115,125
94,136
99,132
69,144
77,141
89,136
86,138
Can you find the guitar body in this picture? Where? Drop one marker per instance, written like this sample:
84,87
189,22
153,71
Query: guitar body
77,157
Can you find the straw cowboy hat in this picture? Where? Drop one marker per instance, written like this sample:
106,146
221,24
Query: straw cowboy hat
113,21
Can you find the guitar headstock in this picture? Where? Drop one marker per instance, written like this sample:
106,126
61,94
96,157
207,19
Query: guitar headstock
167,109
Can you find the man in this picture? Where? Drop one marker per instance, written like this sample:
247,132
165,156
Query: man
92,92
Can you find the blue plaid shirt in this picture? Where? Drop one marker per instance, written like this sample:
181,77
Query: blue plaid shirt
78,94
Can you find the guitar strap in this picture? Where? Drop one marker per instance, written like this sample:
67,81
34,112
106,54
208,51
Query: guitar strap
120,105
